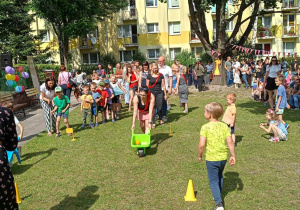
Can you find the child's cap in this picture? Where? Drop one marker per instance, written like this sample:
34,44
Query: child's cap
106,81
101,84
58,89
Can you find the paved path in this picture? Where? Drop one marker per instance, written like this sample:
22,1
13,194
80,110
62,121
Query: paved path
34,122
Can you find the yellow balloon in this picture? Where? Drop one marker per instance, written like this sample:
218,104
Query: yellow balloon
7,76
12,77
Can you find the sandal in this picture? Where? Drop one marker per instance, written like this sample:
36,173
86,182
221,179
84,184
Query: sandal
153,126
49,134
162,123
57,135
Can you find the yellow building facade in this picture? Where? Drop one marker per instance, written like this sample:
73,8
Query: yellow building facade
156,29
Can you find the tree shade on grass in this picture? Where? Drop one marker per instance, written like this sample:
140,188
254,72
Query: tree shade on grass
101,171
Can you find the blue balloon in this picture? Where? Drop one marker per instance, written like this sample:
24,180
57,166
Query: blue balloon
18,89
9,83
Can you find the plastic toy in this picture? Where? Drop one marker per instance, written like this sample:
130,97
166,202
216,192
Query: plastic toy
10,155
143,139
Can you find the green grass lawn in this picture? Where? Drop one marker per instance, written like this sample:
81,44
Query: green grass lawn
101,171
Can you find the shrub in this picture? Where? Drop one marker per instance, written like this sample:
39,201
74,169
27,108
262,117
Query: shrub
139,56
105,59
186,58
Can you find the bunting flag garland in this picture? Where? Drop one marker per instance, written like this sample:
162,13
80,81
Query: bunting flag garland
295,54
251,51
289,54
263,52
255,52
219,54
283,54
273,53
278,54
213,52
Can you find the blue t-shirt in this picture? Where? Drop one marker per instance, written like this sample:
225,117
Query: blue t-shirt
281,92
95,95
280,126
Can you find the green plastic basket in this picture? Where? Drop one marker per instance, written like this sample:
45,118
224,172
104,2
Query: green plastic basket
145,140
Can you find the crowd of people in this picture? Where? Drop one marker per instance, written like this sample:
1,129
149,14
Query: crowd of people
146,88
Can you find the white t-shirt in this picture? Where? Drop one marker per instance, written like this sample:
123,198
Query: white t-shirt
273,70
167,72
236,65
244,67
48,93
209,68
97,81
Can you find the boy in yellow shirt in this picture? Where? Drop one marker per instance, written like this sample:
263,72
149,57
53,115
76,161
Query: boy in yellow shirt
86,106
230,114
213,136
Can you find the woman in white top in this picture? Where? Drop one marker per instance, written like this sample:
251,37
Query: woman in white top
244,70
46,97
272,71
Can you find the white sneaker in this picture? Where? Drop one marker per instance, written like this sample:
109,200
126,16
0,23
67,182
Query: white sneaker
164,118
169,107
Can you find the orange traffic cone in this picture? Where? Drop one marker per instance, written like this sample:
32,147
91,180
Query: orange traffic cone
190,194
18,198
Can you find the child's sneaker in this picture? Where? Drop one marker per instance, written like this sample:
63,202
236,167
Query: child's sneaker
113,120
83,126
91,125
103,122
219,206
274,139
96,124
118,117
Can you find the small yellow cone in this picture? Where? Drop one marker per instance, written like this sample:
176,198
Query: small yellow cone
190,194
18,198
70,130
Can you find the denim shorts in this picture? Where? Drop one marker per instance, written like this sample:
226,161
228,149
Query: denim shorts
94,111
63,115
231,129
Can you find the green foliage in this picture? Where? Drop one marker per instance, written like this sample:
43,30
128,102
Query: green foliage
15,32
186,58
205,58
139,56
105,59
88,68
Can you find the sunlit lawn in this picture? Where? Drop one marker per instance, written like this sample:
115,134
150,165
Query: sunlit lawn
101,171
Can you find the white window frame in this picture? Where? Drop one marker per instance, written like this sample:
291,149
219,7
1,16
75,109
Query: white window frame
231,23
122,60
156,29
123,34
156,52
170,4
284,47
263,21
155,3
47,36
195,51
91,34
171,28
89,57
172,52
286,4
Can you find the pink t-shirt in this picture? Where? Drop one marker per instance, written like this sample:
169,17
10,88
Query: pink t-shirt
64,77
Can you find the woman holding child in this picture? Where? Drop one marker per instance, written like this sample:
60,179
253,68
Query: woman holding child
155,82
143,104
272,71
46,97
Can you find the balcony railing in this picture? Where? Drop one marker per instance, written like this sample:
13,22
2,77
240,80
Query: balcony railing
265,33
129,15
85,44
133,41
291,31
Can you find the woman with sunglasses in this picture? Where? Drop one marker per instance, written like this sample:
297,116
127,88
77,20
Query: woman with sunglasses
155,82
143,104
272,71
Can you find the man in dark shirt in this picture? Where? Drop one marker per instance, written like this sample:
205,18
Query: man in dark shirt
294,65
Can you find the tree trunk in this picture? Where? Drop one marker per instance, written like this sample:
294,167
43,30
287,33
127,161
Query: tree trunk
63,51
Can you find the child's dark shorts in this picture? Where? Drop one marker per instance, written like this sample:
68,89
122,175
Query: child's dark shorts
108,106
63,115
100,108
231,129
116,100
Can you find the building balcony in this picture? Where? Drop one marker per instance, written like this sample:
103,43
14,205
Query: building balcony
85,44
194,38
131,41
289,5
291,31
265,33
130,14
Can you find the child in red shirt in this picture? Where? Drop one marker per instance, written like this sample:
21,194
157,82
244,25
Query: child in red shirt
103,102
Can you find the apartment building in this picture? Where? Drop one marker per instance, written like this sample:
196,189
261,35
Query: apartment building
156,28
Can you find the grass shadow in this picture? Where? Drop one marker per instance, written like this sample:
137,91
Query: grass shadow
83,200
231,182
157,139
238,139
176,116
21,168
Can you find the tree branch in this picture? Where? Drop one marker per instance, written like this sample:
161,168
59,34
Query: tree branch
202,20
241,9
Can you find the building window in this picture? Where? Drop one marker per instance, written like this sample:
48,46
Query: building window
46,36
90,58
288,47
230,26
151,3
174,52
265,47
214,29
126,56
288,3
93,33
124,31
265,21
197,52
152,28
173,3
174,28
153,54
289,24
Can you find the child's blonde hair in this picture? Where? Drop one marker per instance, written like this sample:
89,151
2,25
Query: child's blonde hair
183,70
92,84
280,78
86,87
231,96
7,104
215,109
272,114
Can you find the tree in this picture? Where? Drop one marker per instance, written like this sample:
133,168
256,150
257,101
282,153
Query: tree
222,43
15,33
70,19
